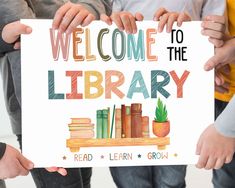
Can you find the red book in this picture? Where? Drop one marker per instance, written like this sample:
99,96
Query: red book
123,112
136,120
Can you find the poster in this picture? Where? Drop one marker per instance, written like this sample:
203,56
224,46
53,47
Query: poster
100,97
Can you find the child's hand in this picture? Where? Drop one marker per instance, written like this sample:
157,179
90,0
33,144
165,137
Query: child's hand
214,149
70,15
124,21
168,18
223,55
12,31
214,28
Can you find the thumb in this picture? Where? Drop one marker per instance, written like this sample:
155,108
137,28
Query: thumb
106,19
212,62
27,164
11,32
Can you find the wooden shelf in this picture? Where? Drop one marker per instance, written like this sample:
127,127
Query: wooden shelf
76,144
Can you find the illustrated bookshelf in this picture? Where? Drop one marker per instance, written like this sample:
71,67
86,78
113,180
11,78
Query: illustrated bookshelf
131,129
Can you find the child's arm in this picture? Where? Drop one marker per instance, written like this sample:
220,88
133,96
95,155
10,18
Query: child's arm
167,19
216,145
11,11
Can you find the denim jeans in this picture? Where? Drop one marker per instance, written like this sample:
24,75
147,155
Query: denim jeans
149,176
224,177
76,177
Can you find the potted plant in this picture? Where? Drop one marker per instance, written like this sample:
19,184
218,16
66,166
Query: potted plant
161,125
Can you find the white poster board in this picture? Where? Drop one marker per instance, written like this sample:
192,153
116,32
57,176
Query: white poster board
100,97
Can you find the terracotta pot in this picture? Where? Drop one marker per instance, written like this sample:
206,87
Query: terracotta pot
161,129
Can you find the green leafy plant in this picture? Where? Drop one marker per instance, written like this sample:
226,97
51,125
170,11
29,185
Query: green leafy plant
160,112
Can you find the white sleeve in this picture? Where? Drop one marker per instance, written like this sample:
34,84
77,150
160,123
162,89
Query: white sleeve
225,123
117,5
213,7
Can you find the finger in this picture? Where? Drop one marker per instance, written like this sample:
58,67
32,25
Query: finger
199,147
183,17
17,46
88,20
162,22
117,20
221,89
202,160
216,18
67,19
213,26
210,163
52,169
228,159
106,19
225,69
76,21
171,19
22,171
59,15
139,16
133,24
212,62
27,164
219,163
216,42
219,80
159,13
212,34
126,23
62,171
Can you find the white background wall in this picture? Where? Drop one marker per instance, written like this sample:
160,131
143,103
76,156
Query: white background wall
101,176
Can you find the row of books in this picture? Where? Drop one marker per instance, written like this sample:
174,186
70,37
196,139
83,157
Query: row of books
129,122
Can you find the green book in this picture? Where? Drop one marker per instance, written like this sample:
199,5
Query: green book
105,123
99,123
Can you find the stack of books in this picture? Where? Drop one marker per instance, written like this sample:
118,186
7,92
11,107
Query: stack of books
81,128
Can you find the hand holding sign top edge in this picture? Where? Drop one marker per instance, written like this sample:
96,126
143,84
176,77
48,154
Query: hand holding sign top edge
167,19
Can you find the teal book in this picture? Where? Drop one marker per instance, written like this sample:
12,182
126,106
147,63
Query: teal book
105,123
99,123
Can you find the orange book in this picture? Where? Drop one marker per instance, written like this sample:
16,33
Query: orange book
80,124
145,126
128,122
81,120
82,134
118,123
74,128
